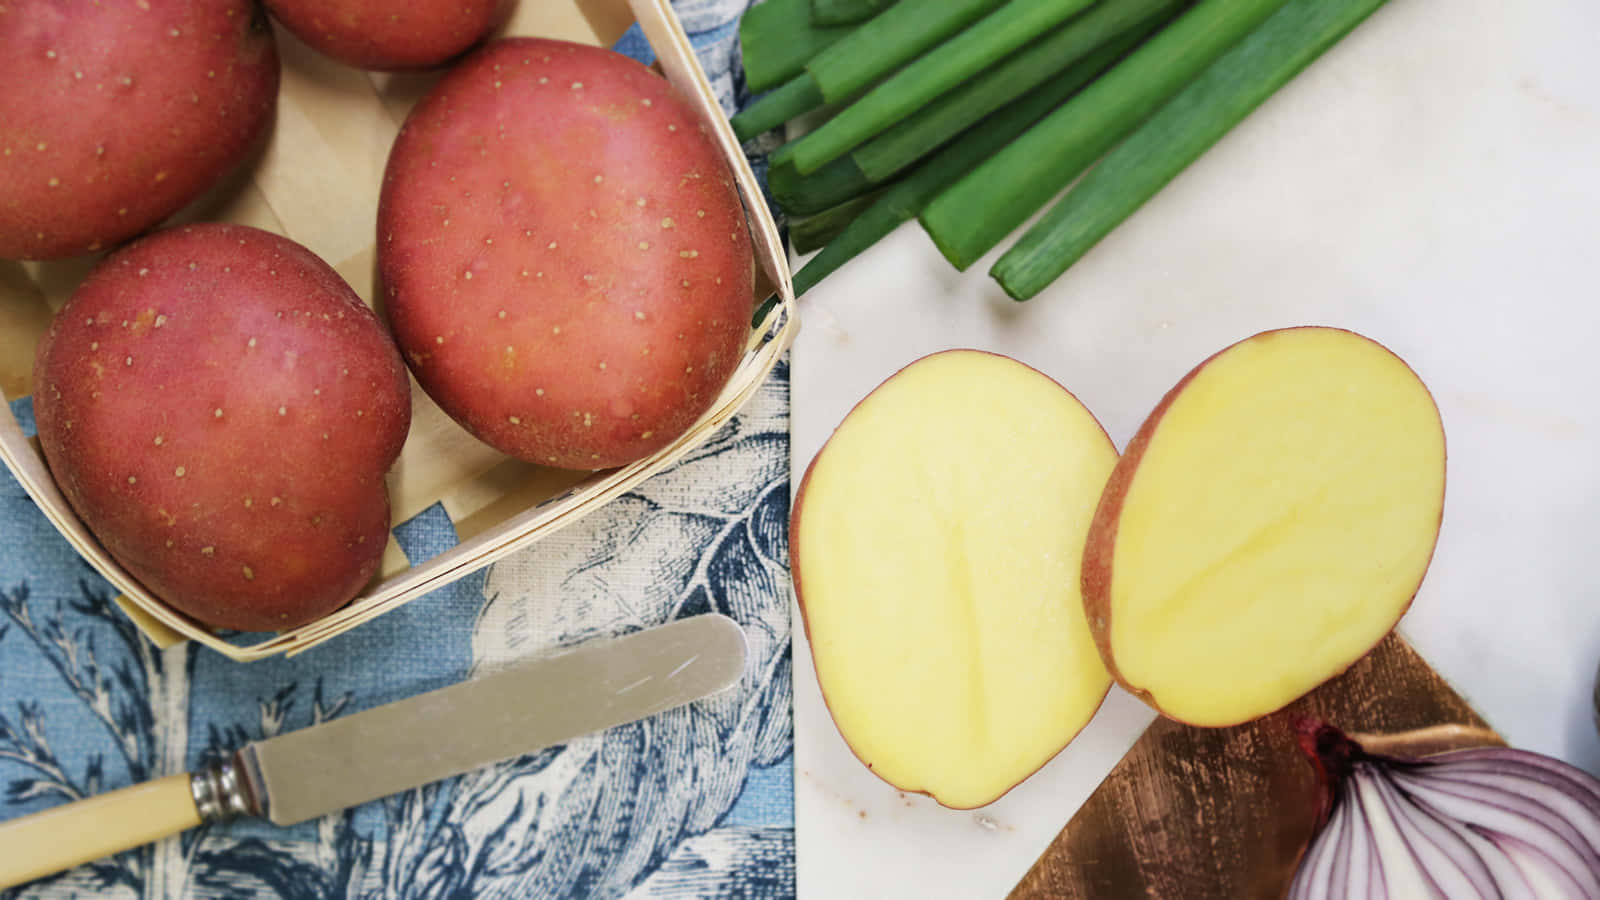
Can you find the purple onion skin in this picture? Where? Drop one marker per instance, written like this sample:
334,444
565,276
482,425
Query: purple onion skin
1485,823
1341,877
1578,851
1433,838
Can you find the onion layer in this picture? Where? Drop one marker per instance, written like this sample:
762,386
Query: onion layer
1487,823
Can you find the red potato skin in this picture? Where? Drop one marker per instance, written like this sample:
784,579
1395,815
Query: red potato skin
1100,545
388,35
565,258
271,512
1100,549
114,115
795,569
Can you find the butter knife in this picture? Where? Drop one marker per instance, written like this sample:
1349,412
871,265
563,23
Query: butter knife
395,747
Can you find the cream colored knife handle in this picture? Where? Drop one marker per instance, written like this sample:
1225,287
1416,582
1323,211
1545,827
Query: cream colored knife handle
75,833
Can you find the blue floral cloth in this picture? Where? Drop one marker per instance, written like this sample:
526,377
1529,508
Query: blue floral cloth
696,802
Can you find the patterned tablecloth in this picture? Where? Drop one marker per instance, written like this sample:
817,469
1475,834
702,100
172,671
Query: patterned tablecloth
697,802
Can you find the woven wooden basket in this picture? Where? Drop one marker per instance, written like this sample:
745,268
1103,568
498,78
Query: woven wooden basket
317,182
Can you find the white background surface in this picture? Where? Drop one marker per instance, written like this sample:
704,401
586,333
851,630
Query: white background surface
1433,183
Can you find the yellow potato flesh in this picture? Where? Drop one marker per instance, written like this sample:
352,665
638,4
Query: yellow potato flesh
938,539
1277,525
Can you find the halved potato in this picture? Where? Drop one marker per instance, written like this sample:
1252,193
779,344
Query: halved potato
935,543
1267,526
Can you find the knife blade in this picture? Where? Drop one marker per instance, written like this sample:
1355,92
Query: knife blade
392,748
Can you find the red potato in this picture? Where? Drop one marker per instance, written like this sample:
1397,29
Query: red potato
388,35
566,261
220,408
114,115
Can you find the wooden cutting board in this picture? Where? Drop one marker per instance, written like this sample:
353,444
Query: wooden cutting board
1223,813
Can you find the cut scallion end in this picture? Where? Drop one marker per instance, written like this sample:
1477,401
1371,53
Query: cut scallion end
796,97
1175,136
979,211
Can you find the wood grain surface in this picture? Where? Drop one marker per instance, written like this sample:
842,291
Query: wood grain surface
1223,814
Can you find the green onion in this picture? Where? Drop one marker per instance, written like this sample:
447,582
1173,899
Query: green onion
956,60
806,195
783,156
901,201
777,107
877,47
888,41
932,126
814,232
776,40
844,12
977,212
1227,91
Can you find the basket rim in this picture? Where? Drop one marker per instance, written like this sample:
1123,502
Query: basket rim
770,338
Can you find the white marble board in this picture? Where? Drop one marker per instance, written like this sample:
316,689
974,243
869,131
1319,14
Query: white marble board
1433,183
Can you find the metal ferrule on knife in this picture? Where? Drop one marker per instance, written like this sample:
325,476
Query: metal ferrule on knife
222,791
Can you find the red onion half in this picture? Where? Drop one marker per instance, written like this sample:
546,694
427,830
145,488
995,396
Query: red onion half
1483,823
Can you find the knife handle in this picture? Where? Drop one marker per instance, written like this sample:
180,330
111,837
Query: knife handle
69,835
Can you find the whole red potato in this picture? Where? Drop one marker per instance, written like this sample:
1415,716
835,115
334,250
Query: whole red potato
566,261
115,114
387,35
220,409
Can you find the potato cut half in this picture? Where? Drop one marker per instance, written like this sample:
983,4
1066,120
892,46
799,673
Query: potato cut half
1267,526
935,542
